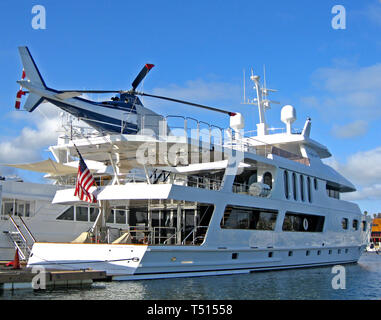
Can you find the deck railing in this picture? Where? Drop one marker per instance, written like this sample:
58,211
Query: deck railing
206,134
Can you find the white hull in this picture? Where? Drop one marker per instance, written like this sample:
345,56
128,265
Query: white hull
134,262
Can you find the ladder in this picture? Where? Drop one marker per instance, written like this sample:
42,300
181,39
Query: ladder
21,241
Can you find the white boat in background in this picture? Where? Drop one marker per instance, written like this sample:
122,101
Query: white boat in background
209,203
372,248
27,213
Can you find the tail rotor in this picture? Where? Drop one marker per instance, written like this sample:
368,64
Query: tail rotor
20,93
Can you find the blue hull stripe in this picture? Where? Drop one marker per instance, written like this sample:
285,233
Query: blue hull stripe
96,120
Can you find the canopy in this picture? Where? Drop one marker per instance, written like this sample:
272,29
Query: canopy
46,166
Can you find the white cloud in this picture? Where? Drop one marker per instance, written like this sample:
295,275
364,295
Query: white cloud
41,131
367,193
364,170
347,94
350,130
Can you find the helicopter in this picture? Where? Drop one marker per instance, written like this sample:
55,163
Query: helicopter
119,115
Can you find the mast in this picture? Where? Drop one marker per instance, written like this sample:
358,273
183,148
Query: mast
261,101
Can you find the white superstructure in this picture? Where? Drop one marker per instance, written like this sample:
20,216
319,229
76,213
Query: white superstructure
217,202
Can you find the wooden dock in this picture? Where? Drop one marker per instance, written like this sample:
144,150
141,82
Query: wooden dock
34,279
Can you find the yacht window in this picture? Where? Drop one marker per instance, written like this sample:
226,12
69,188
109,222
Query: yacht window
299,222
315,184
20,209
333,192
294,187
286,184
110,218
355,224
67,215
248,218
27,209
120,216
94,214
344,223
253,179
81,213
8,208
302,187
309,189
268,179
364,226
16,207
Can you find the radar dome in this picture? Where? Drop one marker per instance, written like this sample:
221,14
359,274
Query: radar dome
288,116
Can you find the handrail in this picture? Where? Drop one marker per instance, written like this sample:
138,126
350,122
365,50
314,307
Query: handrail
27,229
173,236
192,233
21,253
17,228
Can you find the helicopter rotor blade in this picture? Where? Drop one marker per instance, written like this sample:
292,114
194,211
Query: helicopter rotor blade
94,91
141,75
186,102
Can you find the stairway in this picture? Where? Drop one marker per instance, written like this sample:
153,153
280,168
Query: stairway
21,241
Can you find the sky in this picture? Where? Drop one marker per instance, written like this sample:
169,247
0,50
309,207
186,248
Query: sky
200,49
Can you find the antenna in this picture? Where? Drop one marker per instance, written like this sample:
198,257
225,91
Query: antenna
244,87
261,101
264,80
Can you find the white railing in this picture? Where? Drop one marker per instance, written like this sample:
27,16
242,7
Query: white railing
203,133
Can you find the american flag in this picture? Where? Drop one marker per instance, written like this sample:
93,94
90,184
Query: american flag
85,181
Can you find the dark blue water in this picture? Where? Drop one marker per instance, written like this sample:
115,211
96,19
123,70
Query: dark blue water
362,282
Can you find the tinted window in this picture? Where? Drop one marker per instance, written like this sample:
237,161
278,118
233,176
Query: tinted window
286,184
302,187
81,213
309,189
299,222
344,223
268,179
294,187
248,218
67,215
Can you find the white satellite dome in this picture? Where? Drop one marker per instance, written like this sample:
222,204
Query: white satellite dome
288,116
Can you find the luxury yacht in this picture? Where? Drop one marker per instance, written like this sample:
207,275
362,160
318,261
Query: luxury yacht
221,201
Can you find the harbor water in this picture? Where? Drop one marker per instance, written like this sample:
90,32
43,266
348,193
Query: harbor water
361,281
